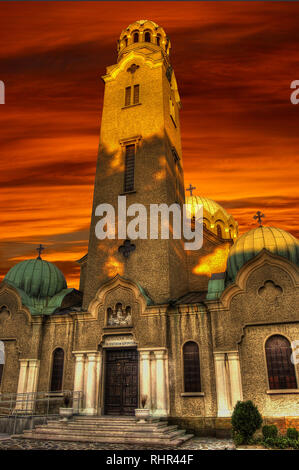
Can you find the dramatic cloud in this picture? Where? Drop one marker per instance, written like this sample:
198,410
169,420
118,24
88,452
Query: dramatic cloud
234,63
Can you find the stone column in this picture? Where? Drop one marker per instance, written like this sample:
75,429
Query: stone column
221,385
90,399
99,383
145,377
161,397
22,385
78,382
33,371
235,377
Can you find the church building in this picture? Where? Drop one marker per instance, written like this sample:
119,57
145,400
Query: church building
186,333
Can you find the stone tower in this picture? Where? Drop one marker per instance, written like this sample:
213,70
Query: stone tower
140,156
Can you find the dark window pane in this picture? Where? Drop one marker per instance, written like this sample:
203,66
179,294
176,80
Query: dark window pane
128,96
281,371
136,37
219,231
129,168
158,40
147,37
136,94
57,370
1,373
191,367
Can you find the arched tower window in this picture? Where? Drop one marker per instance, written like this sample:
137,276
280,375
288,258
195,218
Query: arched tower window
136,37
191,367
281,371
147,36
2,359
57,370
219,231
158,40
125,41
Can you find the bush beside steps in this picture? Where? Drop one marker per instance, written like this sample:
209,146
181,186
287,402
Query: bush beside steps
246,420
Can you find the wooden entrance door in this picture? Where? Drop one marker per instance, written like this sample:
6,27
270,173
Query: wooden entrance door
121,384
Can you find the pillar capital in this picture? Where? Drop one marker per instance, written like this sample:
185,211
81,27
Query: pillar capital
159,354
23,362
233,355
79,357
92,356
144,355
219,356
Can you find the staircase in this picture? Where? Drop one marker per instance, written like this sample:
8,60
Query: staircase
109,429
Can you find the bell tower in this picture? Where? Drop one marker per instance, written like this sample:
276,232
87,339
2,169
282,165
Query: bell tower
140,156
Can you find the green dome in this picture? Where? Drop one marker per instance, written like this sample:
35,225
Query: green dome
37,278
273,239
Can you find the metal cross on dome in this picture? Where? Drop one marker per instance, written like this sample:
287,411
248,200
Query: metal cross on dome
258,217
40,249
190,189
126,248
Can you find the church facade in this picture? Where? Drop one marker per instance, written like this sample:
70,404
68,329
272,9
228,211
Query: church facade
188,333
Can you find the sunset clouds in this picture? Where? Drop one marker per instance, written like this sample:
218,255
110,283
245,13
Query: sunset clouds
234,63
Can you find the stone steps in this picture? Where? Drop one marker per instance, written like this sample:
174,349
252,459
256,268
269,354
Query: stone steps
104,429
108,427
104,433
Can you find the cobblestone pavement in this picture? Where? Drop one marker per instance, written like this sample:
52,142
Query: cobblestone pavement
197,443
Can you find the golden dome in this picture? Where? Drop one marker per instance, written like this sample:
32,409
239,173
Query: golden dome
249,244
215,218
141,32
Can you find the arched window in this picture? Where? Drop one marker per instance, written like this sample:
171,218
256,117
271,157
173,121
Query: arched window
281,371
57,370
158,40
125,41
191,367
136,37
219,231
2,359
147,36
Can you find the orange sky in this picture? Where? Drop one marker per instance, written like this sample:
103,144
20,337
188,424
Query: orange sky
234,62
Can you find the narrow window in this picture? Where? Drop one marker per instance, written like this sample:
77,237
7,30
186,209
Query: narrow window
281,371
128,96
191,367
129,168
158,40
172,110
219,231
2,359
147,37
57,370
136,94
126,41
136,37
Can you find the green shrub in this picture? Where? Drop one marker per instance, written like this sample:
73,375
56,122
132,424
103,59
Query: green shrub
295,444
238,439
246,419
269,431
280,443
293,434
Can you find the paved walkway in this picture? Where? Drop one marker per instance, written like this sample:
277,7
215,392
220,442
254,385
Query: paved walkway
197,443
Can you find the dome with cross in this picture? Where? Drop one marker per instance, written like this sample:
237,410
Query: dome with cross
41,285
248,245
215,218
